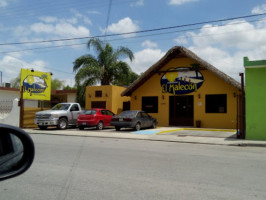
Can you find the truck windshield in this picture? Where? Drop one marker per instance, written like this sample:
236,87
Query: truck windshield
61,107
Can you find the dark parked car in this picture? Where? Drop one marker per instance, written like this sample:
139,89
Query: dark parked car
133,119
95,117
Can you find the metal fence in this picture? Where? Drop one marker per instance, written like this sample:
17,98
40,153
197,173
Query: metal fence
6,106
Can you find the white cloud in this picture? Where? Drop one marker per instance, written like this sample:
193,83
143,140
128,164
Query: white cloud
53,27
123,26
69,30
149,44
38,65
181,40
144,59
42,28
78,15
21,31
229,63
87,20
48,19
3,3
138,3
11,66
259,9
60,29
180,2
225,46
94,12
238,34
69,81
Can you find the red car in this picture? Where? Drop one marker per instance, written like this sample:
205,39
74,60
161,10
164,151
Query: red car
97,117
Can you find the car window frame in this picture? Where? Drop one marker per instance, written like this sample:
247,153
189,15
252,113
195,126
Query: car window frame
109,113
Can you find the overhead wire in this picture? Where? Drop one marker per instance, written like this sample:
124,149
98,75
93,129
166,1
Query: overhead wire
134,37
108,18
135,32
141,36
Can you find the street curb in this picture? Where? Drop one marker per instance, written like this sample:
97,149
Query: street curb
138,137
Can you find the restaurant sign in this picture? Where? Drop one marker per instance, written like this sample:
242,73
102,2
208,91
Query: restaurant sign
181,80
36,85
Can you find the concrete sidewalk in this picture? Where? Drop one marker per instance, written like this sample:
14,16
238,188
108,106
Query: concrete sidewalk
168,134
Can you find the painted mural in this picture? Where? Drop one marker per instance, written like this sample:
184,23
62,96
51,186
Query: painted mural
181,80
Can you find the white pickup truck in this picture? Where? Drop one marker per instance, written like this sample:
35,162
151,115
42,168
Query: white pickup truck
61,115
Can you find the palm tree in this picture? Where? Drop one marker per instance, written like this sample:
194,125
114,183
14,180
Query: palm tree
196,68
104,68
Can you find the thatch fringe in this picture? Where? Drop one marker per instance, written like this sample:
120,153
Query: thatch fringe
175,52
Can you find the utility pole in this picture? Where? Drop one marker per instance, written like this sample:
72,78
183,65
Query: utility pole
1,79
242,109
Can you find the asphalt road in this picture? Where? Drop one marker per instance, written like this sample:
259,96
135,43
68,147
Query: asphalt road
71,167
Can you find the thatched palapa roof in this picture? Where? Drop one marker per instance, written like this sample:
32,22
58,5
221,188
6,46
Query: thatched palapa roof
178,52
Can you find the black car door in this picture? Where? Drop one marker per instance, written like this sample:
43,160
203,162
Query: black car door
146,120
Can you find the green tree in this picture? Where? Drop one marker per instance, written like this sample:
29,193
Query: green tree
104,68
56,84
69,87
126,79
15,82
196,68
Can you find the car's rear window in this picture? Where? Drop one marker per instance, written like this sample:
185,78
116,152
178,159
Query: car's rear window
128,113
89,112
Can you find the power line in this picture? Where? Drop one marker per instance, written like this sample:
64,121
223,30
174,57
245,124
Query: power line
108,18
135,32
141,36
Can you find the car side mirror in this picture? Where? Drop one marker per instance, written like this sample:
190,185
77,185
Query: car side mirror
16,151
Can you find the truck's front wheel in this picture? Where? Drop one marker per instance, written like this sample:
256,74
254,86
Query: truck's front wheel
62,123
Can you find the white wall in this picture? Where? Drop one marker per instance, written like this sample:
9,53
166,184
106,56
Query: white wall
71,97
8,95
13,117
31,103
11,95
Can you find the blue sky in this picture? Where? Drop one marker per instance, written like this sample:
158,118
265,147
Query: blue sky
222,44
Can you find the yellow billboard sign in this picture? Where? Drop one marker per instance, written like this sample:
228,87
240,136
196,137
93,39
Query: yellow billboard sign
36,85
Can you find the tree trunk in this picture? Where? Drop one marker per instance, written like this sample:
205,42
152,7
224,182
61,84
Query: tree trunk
105,79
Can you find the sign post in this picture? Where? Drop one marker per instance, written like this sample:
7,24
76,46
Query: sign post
21,110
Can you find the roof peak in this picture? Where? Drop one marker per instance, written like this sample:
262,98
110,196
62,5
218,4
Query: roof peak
177,52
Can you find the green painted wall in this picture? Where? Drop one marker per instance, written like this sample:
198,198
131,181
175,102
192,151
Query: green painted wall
255,89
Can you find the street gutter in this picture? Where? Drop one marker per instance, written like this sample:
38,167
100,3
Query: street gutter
155,137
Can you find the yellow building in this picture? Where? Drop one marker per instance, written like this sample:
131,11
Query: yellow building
108,97
181,89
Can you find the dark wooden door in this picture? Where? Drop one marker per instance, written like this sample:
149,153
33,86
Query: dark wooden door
181,110
126,105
